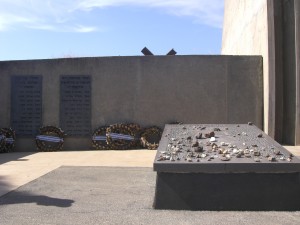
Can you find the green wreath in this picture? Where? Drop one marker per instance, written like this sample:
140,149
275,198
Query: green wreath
51,132
120,129
2,141
136,130
150,137
96,140
10,137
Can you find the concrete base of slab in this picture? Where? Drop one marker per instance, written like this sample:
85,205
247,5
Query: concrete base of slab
244,191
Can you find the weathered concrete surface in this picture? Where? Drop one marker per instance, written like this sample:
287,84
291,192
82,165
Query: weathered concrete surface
19,168
245,32
297,70
289,44
227,133
98,195
270,28
190,182
147,90
228,191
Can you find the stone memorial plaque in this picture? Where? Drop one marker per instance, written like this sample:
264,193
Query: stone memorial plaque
231,148
26,104
75,105
224,167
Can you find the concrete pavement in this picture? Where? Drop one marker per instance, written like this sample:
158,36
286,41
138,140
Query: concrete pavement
112,195
19,168
100,187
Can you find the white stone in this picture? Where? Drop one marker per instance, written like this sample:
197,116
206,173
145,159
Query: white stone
212,139
176,149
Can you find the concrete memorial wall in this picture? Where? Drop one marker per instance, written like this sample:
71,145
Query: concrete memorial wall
81,94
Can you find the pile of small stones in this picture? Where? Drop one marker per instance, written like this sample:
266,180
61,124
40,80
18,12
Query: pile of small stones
205,147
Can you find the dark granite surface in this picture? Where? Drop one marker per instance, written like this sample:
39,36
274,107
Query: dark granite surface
239,148
75,105
26,104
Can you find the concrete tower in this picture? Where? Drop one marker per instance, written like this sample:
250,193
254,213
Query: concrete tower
270,28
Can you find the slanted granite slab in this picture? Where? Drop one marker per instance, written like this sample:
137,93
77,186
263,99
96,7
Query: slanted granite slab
239,168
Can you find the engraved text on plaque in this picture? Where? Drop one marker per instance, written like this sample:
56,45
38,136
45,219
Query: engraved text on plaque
75,105
26,104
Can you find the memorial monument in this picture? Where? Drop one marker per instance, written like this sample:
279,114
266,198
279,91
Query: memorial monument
224,167
80,95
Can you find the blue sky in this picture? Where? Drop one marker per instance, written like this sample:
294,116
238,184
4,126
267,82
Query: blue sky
37,29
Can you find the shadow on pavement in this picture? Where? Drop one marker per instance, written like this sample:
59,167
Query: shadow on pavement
4,186
14,156
16,197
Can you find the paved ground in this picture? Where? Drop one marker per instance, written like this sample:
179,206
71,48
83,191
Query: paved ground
18,168
110,195
109,187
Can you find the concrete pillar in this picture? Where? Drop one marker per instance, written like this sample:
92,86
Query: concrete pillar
272,65
297,48
270,28
245,32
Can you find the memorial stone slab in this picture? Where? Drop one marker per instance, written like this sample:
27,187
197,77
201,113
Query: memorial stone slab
224,167
75,105
26,104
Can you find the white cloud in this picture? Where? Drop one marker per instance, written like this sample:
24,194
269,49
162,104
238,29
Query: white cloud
58,15
64,28
7,20
208,12
84,29
52,15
